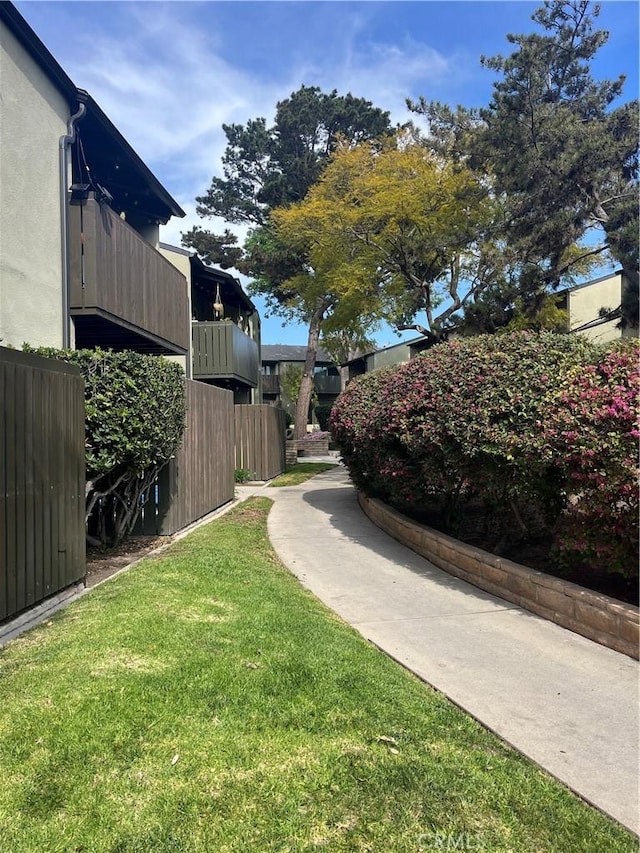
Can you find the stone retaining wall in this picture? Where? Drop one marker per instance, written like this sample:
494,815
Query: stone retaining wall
309,447
291,453
603,619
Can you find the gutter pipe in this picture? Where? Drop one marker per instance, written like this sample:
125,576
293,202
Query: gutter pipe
65,142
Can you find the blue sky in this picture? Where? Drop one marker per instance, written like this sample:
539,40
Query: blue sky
170,74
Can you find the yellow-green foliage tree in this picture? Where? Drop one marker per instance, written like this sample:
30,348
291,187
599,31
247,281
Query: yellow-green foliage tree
398,229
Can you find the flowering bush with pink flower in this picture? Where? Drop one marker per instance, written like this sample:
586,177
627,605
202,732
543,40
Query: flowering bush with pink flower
590,434
316,435
483,418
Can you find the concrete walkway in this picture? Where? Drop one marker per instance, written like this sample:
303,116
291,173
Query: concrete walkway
564,701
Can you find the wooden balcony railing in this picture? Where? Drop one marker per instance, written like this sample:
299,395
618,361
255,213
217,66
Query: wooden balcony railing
123,282
322,384
270,384
222,350
327,384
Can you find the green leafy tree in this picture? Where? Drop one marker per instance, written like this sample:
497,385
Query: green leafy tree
314,293
566,159
398,226
290,379
265,168
560,154
344,344
351,341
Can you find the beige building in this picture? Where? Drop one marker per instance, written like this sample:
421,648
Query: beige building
34,115
79,218
387,357
593,308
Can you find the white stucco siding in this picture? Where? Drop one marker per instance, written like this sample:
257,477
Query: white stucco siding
33,117
586,302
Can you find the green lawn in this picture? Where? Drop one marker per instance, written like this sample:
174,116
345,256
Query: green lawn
204,701
300,472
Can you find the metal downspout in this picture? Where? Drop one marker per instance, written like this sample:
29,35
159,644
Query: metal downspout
65,141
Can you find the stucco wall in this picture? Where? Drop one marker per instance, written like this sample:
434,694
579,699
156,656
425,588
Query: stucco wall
586,301
181,262
388,357
33,118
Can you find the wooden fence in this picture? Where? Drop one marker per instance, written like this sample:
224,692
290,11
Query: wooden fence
42,479
201,477
260,440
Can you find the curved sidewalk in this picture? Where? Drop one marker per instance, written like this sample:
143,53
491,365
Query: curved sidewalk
564,701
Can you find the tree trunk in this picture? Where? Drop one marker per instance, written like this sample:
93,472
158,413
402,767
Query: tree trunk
306,385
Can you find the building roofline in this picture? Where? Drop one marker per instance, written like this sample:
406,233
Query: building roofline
179,250
408,343
293,352
43,57
109,127
213,272
591,281
198,267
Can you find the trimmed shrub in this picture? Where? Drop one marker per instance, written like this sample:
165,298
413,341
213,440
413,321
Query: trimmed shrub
322,413
590,433
456,422
134,420
357,427
468,419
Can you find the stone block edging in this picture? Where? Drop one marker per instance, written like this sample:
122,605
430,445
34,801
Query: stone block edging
596,616
309,447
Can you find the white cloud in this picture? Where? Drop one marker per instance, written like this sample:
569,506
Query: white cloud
168,88
168,92
389,73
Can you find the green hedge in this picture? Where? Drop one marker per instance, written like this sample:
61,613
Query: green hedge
322,412
134,420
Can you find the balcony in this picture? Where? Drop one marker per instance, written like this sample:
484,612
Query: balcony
124,294
324,384
270,384
221,350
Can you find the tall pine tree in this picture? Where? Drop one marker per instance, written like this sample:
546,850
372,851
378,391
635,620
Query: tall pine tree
560,152
265,168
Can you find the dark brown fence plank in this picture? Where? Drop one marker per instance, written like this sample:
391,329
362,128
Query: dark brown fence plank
30,453
42,476
3,496
200,478
11,492
218,438
260,440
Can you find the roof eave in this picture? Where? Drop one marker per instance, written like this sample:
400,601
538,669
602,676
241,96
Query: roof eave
200,268
150,179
